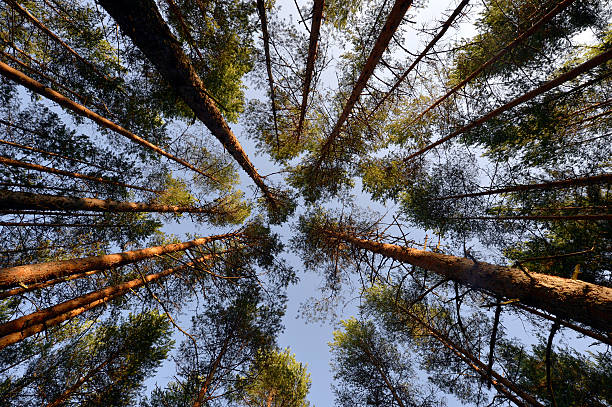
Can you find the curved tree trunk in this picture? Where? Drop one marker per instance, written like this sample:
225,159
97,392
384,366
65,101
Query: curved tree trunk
39,88
584,302
37,273
142,22
566,183
16,330
317,16
41,168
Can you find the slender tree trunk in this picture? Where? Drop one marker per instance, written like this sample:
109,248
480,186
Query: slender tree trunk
29,200
66,225
69,391
502,384
41,272
261,10
526,34
81,110
422,55
55,38
41,168
382,373
213,369
394,19
566,183
37,286
52,154
141,21
18,329
561,79
317,16
584,302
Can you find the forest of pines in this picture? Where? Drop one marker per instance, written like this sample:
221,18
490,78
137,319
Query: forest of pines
440,169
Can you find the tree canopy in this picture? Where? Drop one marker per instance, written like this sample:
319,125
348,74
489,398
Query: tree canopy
169,168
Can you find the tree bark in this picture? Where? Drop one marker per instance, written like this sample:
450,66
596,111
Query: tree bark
535,27
211,373
584,302
142,22
317,16
561,79
36,273
261,10
566,183
29,200
16,330
422,55
394,19
81,110
41,168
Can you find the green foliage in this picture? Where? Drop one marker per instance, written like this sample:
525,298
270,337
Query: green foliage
275,379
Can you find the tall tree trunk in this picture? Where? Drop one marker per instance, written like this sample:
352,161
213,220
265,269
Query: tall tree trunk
385,377
39,88
18,329
394,19
422,55
261,10
36,273
561,79
37,286
29,200
211,374
502,384
524,35
566,183
142,22
41,168
69,391
584,302
55,38
52,154
317,16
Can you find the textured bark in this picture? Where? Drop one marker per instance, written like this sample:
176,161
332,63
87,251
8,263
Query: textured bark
261,10
41,168
561,79
393,21
41,272
566,183
447,24
39,88
29,200
142,22
16,330
584,302
317,16
535,27
37,286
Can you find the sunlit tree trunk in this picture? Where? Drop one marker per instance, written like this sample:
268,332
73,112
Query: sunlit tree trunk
16,330
578,300
42,272
211,374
